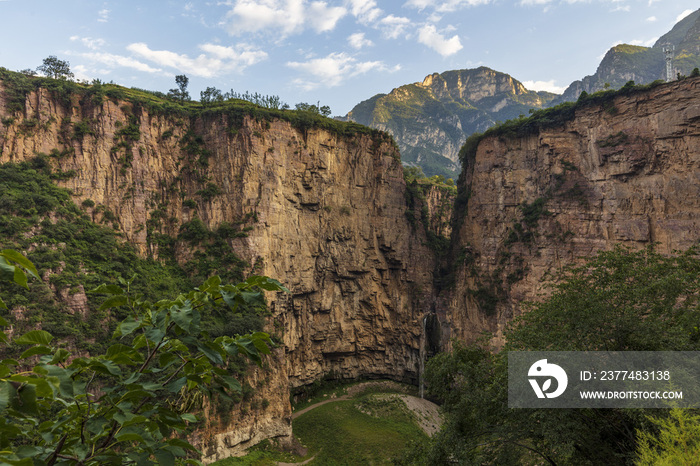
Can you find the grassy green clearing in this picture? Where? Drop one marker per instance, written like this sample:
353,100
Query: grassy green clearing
322,390
265,453
370,429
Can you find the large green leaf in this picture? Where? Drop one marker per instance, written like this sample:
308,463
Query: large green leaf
129,437
164,456
189,417
127,326
21,260
20,278
7,270
113,301
107,289
7,391
212,352
105,367
266,283
34,350
34,337
59,356
123,354
185,317
25,401
176,385
231,383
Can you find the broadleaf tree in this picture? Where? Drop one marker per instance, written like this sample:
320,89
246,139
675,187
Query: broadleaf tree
132,404
53,67
619,300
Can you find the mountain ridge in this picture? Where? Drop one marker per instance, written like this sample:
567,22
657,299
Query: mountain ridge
431,119
625,62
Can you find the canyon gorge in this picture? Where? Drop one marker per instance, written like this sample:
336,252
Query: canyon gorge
328,213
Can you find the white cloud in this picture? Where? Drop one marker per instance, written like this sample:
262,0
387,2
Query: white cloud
216,58
625,8
445,6
535,2
103,15
393,26
548,86
358,40
243,54
332,70
115,61
651,19
365,11
644,43
285,17
324,18
683,15
81,73
89,42
428,35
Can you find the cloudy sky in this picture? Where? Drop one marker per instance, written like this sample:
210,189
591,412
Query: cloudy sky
336,52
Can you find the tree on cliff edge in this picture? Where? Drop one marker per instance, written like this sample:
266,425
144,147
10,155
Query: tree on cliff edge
181,93
55,68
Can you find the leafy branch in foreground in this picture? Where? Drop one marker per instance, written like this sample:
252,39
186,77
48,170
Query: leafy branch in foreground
132,404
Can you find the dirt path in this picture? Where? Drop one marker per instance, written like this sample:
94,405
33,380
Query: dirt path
316,405
297,464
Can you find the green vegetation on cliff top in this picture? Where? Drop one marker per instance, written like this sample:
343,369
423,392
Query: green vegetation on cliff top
552,117
17,86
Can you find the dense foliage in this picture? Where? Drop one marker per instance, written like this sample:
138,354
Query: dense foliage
132,404
434,223
74,252
618,300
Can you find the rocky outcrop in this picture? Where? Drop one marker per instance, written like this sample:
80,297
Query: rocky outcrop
265,416
623,172
326,216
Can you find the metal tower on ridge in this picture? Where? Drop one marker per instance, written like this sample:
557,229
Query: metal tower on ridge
668,52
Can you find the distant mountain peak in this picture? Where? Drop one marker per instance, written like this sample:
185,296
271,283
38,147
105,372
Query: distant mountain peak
625,62
431,119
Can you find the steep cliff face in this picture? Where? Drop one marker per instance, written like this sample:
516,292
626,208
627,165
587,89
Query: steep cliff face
623,172
431,119
325,215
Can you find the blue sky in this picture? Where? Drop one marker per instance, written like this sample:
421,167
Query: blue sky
336,52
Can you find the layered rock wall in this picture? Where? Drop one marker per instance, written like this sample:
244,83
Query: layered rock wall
624,172
328,216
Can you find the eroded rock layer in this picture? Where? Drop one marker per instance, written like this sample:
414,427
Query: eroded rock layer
626,171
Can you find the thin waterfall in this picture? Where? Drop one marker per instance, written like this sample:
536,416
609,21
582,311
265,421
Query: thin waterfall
421,357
